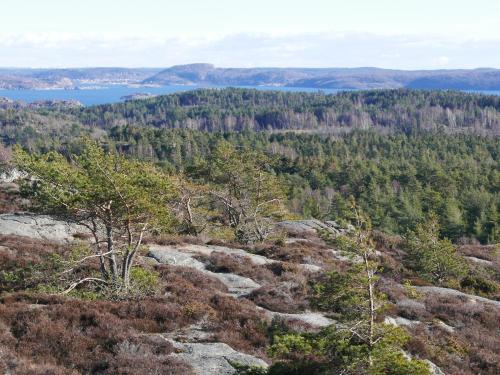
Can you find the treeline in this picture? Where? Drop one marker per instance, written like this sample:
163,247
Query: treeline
398,179
240,109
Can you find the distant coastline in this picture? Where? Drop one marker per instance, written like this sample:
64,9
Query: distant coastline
118,93
193,75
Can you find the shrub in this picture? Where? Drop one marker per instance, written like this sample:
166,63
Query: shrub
433,258
479,285
143,281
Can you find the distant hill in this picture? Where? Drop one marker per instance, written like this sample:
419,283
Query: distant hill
207,74
331,78
71,78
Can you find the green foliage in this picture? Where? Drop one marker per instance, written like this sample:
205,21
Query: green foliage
292,345
433,258
356,343
242,369
244,188
116,199
234,109
389,359
411,291
342,294
480,285
143,281
397,179
86,183
335,351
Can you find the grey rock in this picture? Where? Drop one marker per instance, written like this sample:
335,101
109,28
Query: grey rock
339,255
307,226
482,262
209,249
40,227
199,332
434,369
312,226
310,267
238,286
444,326
11,176
183,254
399,321
213,358
174,257
411,304
314,319
296,240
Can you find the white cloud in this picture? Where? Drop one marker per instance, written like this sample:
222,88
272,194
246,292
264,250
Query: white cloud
318,49
443,61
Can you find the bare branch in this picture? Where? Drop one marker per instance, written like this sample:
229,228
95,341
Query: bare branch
85,280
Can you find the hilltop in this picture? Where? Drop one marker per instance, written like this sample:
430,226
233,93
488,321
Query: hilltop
329,78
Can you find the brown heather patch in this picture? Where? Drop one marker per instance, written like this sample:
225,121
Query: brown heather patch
72,337
486,252
471,349
9,200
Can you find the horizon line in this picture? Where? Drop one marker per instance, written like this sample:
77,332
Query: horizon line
240,67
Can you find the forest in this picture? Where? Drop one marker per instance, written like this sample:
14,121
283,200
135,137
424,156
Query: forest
232,109
398,179
240,109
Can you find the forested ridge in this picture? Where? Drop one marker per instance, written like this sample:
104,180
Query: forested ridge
227,110
240,109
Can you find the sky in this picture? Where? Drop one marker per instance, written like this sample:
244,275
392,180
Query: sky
398,34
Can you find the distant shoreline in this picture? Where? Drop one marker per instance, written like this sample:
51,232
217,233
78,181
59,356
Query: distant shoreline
118,94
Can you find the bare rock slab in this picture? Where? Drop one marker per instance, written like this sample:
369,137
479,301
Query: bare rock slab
313,319
238,286
213,358
446,292
40,227
175,258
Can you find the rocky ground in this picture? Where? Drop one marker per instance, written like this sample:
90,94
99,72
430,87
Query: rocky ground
218,299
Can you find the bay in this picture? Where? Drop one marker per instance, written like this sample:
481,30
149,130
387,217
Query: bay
89,96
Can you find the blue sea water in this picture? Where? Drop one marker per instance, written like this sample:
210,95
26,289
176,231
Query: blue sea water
113,94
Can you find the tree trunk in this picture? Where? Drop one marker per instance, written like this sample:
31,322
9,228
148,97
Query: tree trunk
128,260
112,257
371,296
102,264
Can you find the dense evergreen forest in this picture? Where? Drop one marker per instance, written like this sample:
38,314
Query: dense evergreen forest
402,158
398,179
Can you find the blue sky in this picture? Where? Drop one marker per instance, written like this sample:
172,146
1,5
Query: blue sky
404,34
